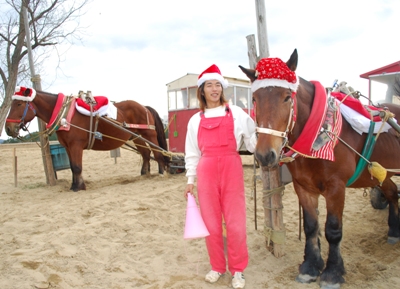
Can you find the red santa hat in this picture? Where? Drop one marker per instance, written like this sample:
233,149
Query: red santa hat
274,72
23,93
212,73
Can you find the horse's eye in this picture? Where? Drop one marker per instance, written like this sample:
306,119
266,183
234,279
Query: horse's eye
253,100
287,98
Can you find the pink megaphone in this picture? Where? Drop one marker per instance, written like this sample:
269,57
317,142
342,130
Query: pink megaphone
194,226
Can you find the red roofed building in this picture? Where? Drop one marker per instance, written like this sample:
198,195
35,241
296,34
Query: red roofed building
389,75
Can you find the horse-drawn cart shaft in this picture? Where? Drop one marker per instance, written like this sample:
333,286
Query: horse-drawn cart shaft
176,163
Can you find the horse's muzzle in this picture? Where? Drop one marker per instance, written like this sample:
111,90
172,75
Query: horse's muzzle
268,159
12,129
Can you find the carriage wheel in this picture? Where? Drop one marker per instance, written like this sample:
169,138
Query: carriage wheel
378,200
177,165
175,171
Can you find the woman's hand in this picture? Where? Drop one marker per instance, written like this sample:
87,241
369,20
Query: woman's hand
189,189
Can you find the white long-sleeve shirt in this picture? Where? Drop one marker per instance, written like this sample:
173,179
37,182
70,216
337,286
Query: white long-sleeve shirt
244,128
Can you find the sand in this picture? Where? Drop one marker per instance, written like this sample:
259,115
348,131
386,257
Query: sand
126,231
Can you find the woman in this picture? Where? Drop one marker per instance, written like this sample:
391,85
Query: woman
211,154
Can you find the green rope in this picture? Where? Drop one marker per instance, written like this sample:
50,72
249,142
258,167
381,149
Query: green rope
366,152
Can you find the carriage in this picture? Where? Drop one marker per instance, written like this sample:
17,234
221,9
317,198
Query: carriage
382,81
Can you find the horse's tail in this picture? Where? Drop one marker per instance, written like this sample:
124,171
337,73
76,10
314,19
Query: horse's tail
162,140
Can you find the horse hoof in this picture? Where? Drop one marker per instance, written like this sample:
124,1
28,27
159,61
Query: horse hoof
305,278
325,285
393,240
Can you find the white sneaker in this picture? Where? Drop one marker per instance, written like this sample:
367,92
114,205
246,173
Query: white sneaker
238,281
213,276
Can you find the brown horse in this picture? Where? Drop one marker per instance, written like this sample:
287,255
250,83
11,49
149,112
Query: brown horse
282,113
97,133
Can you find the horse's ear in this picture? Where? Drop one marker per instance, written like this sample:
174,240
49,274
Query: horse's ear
292,62
251,73
27,92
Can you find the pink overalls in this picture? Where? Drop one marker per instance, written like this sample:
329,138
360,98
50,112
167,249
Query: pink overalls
220,188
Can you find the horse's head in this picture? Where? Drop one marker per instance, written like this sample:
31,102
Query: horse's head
273,84
21,111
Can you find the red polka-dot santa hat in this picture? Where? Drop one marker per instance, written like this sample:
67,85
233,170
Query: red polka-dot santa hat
274,72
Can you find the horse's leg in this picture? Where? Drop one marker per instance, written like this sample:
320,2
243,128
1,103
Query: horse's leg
159,157
389,189
313,263
75,160
332,276
145,152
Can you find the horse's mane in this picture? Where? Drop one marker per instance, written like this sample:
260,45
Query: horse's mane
162,141
47,93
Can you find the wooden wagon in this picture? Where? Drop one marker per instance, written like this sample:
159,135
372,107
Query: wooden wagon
383,86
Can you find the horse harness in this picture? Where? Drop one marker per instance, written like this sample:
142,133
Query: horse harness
93,133
324,136
290,124
58,117
21,122
326,122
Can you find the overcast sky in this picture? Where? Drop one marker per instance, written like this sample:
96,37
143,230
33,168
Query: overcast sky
134,48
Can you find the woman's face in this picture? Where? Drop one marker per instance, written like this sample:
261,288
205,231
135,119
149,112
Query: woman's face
212,93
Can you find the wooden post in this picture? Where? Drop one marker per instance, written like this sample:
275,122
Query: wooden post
45,147
274,227
44,139
15,167
271,179
252,51
115,153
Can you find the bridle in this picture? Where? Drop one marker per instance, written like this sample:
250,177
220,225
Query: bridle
290,124
21,122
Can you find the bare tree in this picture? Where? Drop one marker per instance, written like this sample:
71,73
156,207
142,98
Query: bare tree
51,22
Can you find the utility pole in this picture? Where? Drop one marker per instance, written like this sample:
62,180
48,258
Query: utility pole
262,29
272,185
44,139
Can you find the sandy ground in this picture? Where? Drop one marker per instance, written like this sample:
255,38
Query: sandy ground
126,231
